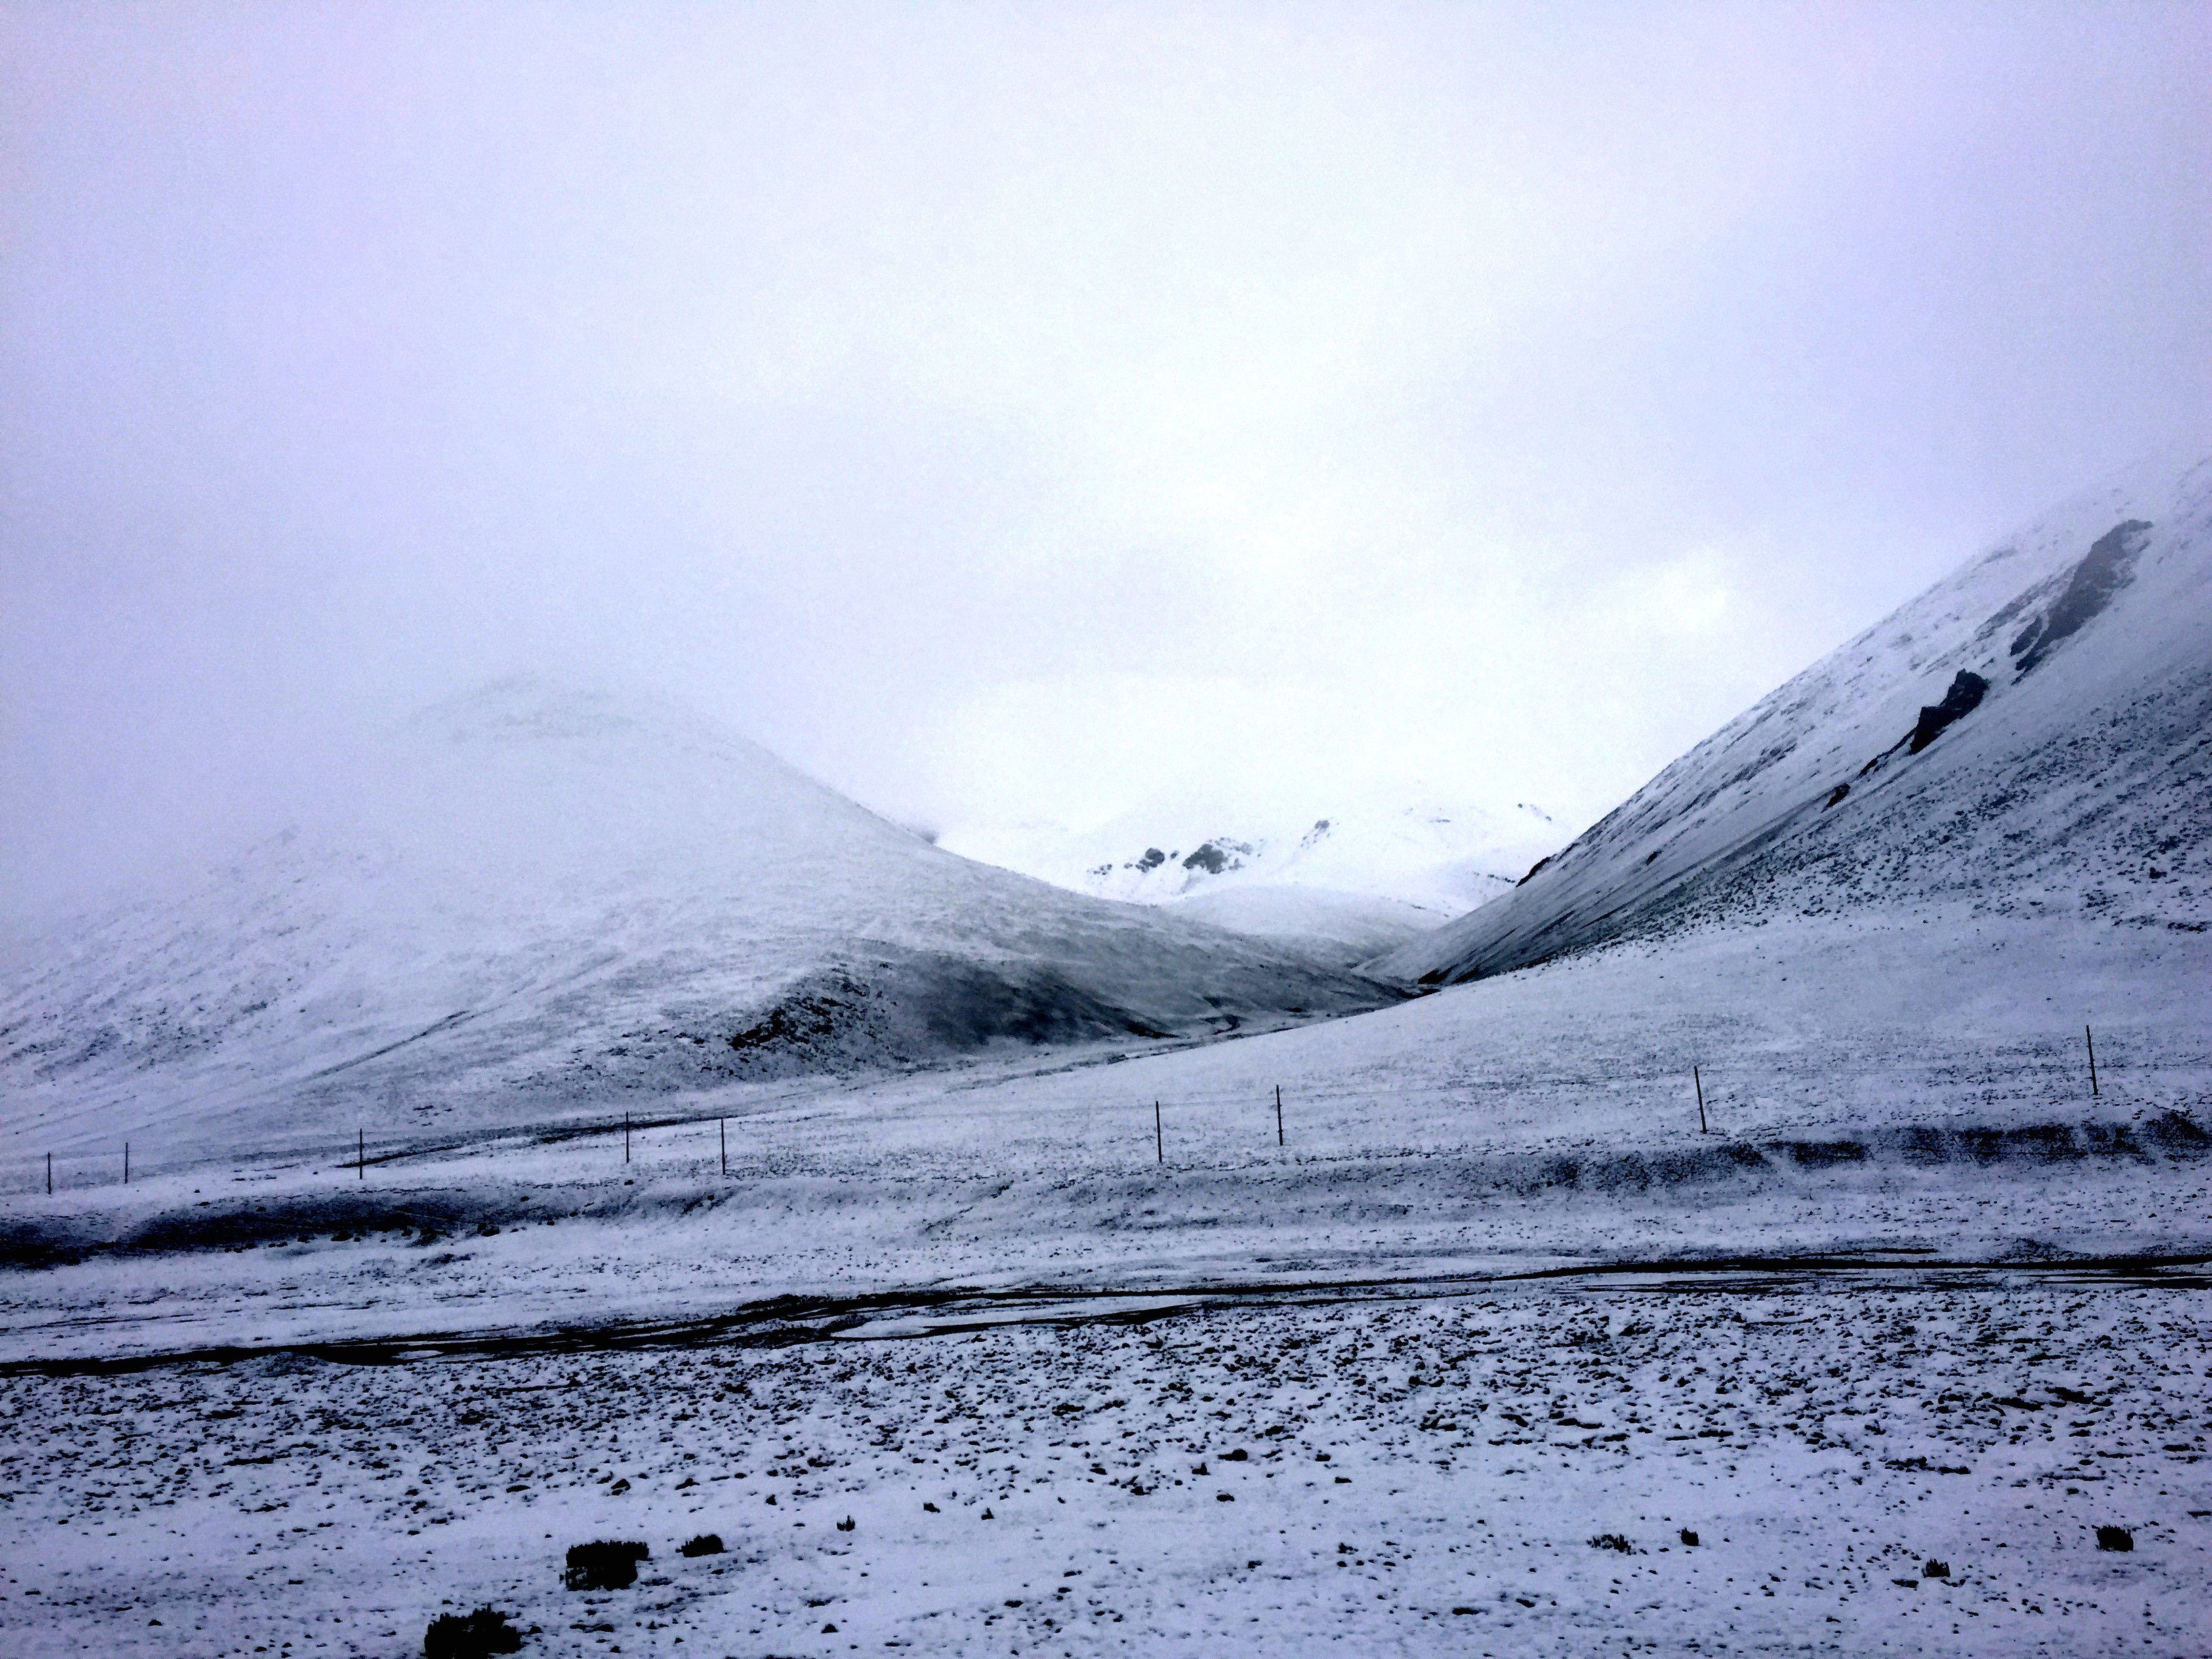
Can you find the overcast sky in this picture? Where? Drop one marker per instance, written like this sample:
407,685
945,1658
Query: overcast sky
1016,412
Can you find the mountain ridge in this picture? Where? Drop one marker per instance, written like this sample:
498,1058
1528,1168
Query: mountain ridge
2035,716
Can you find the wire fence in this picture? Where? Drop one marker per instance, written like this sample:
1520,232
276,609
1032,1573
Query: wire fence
1198,1121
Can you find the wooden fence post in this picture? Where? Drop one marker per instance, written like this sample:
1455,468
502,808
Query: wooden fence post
2089,1037
1698,1083
1278,1115
1159,1139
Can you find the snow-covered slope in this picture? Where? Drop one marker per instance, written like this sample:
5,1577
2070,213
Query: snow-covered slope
1372,872
534,899
2032,735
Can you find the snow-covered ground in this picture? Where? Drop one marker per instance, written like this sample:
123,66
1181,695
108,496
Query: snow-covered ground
1548,1116
1899,1464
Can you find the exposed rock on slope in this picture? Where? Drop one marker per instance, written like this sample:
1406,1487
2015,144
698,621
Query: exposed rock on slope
536,902
2066,769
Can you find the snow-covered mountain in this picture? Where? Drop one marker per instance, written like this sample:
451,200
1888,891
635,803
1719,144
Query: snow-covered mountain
532,899
2031,737
1365,876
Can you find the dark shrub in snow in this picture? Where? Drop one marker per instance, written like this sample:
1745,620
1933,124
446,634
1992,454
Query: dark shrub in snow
603,1565
1689,1538
1610,1540
2115,1538
707,1543
451,1636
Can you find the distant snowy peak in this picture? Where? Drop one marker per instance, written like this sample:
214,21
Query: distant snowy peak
1437,858
1420,862
2026,737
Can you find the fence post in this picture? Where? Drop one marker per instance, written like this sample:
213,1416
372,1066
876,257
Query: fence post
50,1175
724,1124
625,1137
2089,1037
360,1153
1278,1115
1159,1140
1698,1083
126,1163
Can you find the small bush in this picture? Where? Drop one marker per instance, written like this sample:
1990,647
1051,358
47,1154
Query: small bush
1689,1538
1936,1569
2115,1538
481,1633
707,1543
1611,1540
605,1565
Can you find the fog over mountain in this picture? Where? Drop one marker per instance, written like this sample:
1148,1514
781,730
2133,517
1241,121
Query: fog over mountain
1029,418
1110,831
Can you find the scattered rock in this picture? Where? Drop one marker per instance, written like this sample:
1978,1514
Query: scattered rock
603,1565
2115,1538
473,1636
1836,794
1689,1538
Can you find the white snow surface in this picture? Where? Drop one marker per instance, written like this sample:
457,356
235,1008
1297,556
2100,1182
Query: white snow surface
535,898
2082,784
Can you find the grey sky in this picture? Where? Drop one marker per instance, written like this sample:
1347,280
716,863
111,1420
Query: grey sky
1013,411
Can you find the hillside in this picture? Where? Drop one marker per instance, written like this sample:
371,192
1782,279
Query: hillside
534,902
2031,737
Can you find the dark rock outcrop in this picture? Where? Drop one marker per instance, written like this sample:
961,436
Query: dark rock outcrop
1966,695
2107,567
